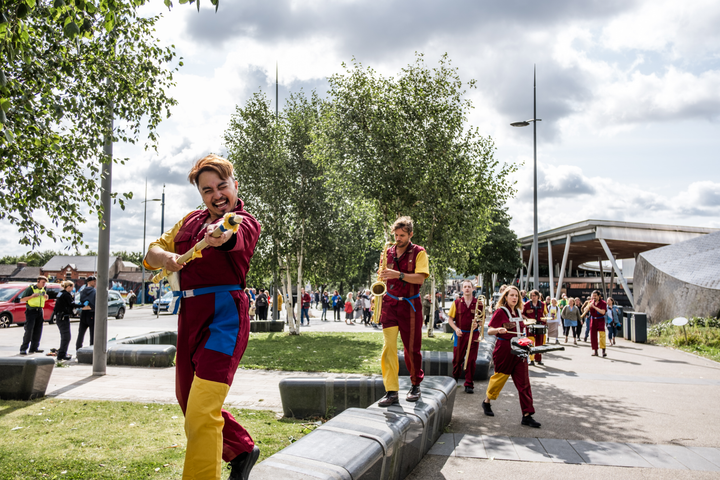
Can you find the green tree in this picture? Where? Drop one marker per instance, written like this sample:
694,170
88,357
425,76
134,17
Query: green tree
132,257
63,65
410,139
283,186
499,252
33,259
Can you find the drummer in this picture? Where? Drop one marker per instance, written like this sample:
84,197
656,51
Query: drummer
535,311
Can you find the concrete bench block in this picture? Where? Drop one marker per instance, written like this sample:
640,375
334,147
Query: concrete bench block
440,363
321,396
25,378
155,349
266,326
446,386
424,416
326,454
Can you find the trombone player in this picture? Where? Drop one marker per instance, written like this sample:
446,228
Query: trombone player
463,320
403,269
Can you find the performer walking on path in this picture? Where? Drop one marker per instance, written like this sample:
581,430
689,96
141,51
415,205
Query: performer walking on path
596,312
402,311
506,323
462,321
213,326
535,309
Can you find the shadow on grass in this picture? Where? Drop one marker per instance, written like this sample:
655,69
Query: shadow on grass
9,406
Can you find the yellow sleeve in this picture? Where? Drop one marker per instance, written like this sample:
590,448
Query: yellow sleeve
452,312
421,263
166,242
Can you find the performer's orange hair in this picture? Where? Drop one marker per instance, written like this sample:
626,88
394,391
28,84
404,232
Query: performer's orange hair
212,162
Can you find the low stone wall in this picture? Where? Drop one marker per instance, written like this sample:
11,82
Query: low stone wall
323,397
267,326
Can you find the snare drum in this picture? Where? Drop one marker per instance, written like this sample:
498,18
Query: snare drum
535,330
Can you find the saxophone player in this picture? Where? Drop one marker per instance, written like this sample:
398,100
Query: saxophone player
462,320
401,311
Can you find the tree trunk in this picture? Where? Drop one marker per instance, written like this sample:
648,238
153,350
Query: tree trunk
431,323
292,322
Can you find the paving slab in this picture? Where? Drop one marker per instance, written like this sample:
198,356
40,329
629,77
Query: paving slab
445,445
470,446
560,451
690,459
708,453
609,454
656,456
500,448
530,450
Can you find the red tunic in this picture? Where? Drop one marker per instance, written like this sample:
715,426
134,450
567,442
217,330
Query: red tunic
213,329
504,360
464,316
399,313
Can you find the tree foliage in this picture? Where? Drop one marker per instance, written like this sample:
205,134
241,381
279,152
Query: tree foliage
499,252
67,68
414,153
33,259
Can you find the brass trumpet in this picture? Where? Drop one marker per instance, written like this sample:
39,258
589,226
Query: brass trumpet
379,288
480,320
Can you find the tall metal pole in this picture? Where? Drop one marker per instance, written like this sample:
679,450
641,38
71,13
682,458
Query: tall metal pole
536,263
162,216
144,227
103,267
275,314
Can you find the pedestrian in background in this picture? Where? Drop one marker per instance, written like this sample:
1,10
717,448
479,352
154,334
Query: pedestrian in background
570,318
325,305
611,319
358,313
306,299
367,307
87,317
35,296
553,323
337,304
64,305
426,304
261,304
349,308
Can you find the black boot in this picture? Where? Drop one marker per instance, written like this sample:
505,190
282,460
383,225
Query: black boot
469,390
529,421
414,394
390,398
487,409
242,464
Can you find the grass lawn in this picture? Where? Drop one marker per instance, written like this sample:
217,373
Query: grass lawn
339,352
703,337
76,439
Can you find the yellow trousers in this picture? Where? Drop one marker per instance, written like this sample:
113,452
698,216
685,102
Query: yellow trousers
602,337
389,360
496,384
203,427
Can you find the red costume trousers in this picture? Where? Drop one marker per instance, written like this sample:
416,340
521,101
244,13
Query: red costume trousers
212,338
508,365
597,329
538,340
459,352
409,323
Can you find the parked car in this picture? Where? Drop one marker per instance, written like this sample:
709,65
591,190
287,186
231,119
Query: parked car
12,310
116,305
163,303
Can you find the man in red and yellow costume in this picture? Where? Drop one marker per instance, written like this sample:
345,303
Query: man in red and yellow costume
407,269
213,326
462,316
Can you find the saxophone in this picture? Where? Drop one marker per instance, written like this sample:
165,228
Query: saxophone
480,320
379,288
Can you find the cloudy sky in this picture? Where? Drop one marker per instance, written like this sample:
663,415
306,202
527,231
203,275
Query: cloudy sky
628,93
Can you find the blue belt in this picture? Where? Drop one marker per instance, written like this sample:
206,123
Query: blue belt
455,337
417,295
202,291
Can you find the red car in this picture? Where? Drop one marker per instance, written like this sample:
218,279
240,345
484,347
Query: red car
12,310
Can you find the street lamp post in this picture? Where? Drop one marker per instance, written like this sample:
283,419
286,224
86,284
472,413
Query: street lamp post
144,231
534,120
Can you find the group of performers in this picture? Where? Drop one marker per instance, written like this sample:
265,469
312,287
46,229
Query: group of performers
213,324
